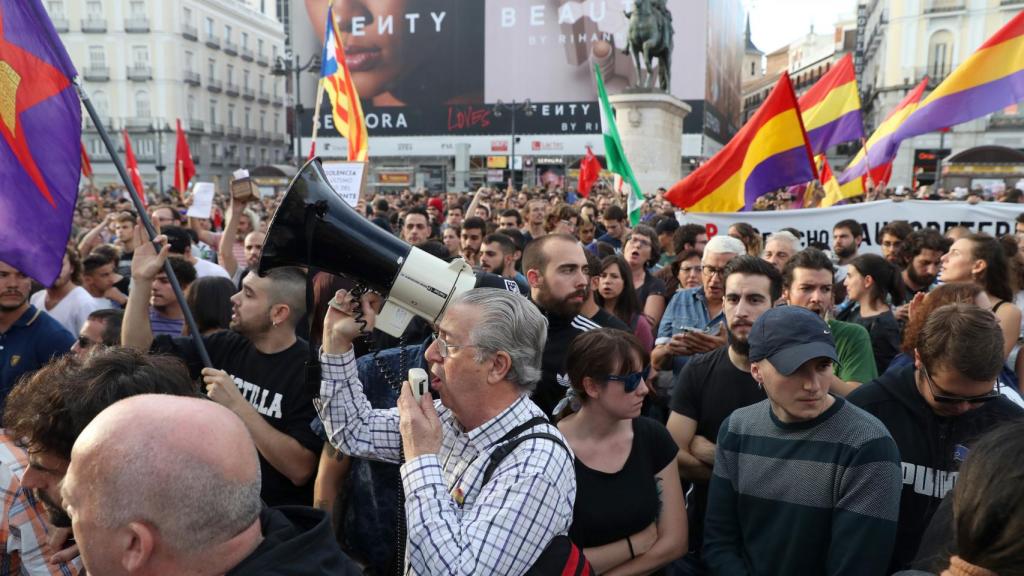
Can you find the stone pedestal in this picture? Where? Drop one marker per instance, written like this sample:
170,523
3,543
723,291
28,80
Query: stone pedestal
651,127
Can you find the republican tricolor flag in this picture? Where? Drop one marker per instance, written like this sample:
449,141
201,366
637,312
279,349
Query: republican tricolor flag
770,152
345,105
882,146
831,108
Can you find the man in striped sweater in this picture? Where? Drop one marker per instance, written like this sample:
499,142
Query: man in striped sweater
804,482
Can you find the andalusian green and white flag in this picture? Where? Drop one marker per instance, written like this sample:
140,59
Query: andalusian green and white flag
613,154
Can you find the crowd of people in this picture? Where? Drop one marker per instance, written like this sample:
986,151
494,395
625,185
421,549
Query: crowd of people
614,397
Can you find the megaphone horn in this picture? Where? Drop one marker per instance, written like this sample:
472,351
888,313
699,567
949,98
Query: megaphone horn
314,226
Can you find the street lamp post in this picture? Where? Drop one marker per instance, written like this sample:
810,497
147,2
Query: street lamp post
499,108
289,65
160,167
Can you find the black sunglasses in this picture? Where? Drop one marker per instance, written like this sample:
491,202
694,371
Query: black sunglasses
630,382
84,342
947,399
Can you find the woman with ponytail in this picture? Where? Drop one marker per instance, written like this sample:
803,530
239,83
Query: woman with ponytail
873,284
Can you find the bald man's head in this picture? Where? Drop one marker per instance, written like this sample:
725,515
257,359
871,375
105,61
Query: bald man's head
182,473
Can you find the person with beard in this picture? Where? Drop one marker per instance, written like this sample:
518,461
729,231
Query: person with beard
557,271
922,251
66,301
846,238
70,391
711,386
29,337
498,256
259,368
807,282
893,235
471,237
692,321
804,482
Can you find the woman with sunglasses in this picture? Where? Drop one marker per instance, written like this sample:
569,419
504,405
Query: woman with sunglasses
629,516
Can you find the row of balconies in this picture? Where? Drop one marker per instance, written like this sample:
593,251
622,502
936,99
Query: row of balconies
136,124
95,25
229,47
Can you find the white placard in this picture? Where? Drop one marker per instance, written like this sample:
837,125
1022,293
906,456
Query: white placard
202,200
815,224
346,178
240,173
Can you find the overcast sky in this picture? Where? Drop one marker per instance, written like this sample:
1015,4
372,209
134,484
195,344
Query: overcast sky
774,23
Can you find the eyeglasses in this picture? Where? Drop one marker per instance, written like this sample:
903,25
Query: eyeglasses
84,342
444,348
690,269
630,382
947,399
711,271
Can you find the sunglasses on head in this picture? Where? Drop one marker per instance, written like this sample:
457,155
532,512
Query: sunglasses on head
631,381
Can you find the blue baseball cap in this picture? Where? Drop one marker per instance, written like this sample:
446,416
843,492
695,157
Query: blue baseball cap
789,336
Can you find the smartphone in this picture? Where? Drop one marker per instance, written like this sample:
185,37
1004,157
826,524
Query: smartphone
418,382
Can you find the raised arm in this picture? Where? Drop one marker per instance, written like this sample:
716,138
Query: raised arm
146,264
225,249
93,237
351,423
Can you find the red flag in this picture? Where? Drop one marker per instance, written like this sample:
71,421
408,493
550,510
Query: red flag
86,165
133,168
184,168
590,168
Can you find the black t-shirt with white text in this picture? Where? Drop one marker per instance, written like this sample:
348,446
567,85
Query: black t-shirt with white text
708,389
275,386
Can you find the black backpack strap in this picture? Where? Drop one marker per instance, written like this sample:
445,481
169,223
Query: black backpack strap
505,449
535,421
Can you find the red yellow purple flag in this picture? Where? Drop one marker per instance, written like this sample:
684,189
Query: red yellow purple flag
770,152
345,105
831,108
883,145
834,191
989,80
40,141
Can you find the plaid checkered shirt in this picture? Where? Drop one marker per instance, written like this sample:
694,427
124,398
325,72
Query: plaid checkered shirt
23,526
457,524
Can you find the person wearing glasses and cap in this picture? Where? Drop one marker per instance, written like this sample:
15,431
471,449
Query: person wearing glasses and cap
936,408
804,482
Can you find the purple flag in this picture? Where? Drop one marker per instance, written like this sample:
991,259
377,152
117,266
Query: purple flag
40,136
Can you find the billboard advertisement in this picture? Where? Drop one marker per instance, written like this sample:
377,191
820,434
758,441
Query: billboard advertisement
441,67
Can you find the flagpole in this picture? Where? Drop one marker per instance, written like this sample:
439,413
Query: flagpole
316,116
193,328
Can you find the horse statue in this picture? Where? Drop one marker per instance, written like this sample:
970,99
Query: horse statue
650,35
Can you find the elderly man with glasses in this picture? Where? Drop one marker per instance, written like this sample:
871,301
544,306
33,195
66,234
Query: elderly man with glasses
936,408
462,515
694,320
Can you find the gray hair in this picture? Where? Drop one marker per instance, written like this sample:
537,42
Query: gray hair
794,242
186,498
722,244
509,323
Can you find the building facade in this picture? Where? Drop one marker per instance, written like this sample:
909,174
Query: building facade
901,42
148,63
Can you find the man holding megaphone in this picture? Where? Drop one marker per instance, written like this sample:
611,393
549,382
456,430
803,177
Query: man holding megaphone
463,515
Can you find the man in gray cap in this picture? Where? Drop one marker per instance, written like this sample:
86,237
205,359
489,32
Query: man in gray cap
801,466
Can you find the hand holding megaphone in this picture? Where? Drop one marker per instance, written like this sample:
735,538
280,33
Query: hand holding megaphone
347,319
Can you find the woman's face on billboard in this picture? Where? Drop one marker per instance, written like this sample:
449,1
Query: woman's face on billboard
379,56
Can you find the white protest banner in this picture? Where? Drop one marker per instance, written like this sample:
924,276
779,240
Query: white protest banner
202,200
346,178
815,224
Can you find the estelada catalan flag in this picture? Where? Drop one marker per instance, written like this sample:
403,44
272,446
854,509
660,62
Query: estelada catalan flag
990,80
882,146
345,105
768,153
834,191
41,154
831,108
